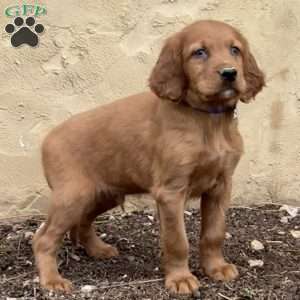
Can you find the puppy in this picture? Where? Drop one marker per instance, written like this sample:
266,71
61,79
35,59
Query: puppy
176,142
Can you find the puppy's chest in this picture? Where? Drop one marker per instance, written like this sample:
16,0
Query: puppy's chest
210,165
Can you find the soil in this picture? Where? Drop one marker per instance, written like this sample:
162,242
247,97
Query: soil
135,274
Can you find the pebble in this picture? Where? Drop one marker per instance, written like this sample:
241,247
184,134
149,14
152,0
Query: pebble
284,220
131,258
75,257
255,263
228,236
26,282
88,288
103,235
16,227
188,213
291,210
257,245
11,237
151,218
295,234
28,235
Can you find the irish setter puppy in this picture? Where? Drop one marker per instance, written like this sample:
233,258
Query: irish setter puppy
178,141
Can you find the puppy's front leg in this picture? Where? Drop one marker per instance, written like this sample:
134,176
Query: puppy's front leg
213,208
174,244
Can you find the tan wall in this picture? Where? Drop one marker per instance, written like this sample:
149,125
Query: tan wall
96,51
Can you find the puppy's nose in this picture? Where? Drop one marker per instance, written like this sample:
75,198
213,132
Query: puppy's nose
228,74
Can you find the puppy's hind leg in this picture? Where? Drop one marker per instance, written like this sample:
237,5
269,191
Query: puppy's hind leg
85,231
67,207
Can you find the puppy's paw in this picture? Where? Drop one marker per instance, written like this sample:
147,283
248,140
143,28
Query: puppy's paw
103,252
224,272
184,283
57,283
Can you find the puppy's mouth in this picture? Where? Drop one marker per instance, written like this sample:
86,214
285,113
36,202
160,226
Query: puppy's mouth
227,93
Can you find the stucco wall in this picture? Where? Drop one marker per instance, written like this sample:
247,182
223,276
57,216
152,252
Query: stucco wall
96,51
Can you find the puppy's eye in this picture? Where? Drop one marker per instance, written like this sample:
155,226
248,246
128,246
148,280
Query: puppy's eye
235,51
200,53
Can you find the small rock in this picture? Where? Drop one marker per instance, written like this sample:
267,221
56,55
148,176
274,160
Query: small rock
28,235
295,234
36,279
281,232
51,294
131,258
124,276
188,213
151,218
156,269
26,283
103,235
257,245
111,218
291,210
228,236
284,220
16,227
75,257
88,289
28,263
11,237
255,263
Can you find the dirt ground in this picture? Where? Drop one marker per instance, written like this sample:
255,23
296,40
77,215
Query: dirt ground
135,274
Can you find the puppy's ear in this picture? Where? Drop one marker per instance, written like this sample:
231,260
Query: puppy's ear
167,79
254,77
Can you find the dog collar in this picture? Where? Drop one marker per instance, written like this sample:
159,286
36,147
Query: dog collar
216,110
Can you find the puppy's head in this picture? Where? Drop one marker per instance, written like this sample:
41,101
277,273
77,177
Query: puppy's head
210,59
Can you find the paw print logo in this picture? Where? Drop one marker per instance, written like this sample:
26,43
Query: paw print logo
24,33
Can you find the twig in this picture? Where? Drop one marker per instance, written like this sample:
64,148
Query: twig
229,287
67,259
224,297
101,222
19,246
282,273
16,277
116,284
